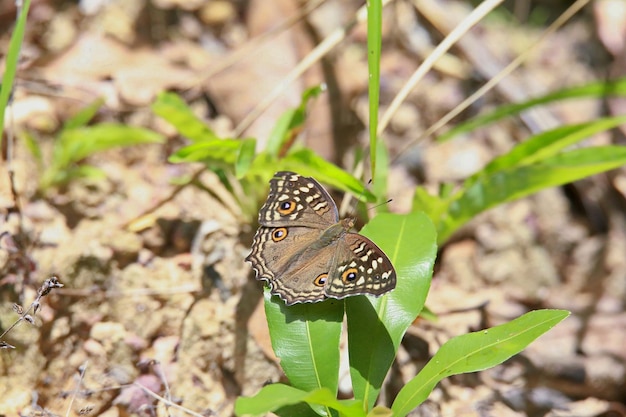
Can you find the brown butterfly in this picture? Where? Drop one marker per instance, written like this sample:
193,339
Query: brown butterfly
306,253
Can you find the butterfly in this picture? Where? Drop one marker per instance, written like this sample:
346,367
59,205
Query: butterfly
306,254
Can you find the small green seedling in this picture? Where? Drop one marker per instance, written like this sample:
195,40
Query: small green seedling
77,141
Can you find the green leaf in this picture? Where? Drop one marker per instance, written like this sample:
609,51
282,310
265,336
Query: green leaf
547,144
504,186
306,162
174,110
305,338
219,152
290,123
10,64
269,398
64,176
275,396
593,90
245,157
432,205
324,397
83,117
84,172
376,325
76,144
380,411
427,314
285,129
474,352
535,164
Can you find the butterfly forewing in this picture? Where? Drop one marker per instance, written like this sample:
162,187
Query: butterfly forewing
298,201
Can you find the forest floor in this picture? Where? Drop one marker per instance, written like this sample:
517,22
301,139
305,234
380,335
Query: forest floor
169,302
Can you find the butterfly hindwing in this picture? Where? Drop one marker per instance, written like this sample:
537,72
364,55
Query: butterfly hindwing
361,268
293,275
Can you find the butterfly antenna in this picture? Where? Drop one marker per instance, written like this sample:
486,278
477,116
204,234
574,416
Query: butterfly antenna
380,204
347,202
353,208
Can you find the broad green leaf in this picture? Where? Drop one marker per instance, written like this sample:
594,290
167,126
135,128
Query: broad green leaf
219,152
504,186
305,338
593,90
245,157
474,352
376,325
276,396
76,144
547,144
84,115
306,162
304,409
290,123
269,398
374,42
174,110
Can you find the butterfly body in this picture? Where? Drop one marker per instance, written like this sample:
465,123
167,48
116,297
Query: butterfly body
306,253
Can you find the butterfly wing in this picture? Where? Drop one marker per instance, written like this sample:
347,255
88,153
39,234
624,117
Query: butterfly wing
296,274
295,200
359,267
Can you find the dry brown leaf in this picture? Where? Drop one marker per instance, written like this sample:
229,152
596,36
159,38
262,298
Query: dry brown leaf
137,74
240,88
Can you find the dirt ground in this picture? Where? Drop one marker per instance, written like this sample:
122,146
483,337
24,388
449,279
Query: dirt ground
169,302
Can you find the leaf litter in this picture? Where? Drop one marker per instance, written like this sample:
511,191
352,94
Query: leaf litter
166,308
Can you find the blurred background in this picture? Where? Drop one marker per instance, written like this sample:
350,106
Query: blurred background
169,303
